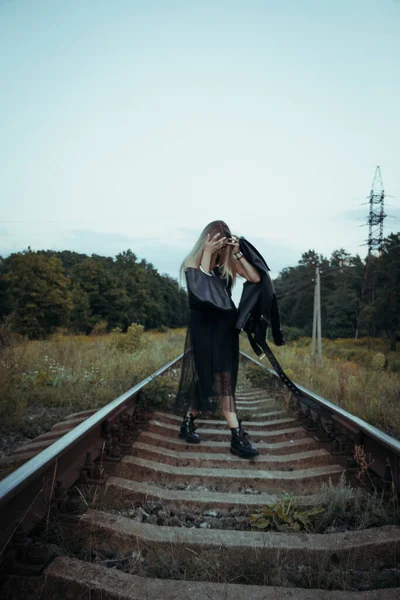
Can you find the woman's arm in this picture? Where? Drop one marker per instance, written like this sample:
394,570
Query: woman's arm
242,266
244,269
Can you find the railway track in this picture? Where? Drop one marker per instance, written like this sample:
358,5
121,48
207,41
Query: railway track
112,504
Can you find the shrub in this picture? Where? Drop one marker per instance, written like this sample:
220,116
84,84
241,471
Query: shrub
100,328
349,508
132,340
379,361
336,499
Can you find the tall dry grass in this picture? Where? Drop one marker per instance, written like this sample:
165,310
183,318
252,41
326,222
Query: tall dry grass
84,372
78,371
358,375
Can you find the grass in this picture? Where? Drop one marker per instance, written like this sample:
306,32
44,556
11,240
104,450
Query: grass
363,380
78,372
83,372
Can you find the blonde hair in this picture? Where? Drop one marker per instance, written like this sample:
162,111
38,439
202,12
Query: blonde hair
226,261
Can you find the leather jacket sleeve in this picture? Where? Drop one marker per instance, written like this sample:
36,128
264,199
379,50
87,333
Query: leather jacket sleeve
258,305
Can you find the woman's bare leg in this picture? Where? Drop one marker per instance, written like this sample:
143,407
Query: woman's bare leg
231,419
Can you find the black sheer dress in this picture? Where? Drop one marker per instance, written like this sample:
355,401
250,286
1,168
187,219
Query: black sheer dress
211,360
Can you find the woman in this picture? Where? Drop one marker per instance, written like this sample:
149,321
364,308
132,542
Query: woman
211,360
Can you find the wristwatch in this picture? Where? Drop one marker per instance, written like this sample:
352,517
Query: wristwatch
238,255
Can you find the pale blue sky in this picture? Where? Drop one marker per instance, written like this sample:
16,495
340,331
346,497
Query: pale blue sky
127,124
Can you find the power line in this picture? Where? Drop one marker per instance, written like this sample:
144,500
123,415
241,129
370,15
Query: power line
326,271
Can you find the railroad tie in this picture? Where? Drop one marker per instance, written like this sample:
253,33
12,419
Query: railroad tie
174,520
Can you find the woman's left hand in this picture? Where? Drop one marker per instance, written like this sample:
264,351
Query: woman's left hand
234,242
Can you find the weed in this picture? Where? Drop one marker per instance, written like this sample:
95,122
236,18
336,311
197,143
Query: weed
336,499
285,515
362,462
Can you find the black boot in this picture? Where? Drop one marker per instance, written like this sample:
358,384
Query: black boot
240,444
188,429
240,427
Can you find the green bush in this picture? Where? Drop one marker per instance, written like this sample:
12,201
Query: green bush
132,340
337,500
100,328
378,361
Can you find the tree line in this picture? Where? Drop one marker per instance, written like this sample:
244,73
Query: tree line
358,297
45,290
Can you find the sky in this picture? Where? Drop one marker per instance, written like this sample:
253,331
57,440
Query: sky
130,124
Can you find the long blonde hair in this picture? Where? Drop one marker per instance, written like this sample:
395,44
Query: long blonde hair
224,256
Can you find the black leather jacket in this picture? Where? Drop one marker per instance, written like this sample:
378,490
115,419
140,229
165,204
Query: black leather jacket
258,305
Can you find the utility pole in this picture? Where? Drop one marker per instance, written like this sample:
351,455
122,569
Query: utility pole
317,329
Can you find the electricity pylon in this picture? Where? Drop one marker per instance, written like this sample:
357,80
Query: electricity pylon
376,213
376,217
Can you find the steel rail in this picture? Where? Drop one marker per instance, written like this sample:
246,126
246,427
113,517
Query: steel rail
374,440
14,482
31,487
61,460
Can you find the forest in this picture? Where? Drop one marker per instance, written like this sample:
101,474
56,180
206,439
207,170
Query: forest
358,297
43,291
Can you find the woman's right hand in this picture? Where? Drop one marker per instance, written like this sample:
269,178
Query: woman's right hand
215,243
